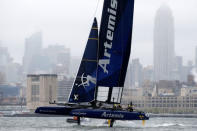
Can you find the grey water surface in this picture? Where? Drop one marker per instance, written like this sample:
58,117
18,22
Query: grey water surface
60,124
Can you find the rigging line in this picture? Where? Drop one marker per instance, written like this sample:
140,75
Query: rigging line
96,7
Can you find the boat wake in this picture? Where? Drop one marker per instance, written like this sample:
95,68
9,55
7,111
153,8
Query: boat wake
168,125
130,124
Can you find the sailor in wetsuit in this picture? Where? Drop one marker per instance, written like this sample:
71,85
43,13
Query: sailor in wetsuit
117,107
130,107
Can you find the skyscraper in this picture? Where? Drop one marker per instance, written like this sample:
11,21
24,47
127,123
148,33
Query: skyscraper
9,71
196,57
136,73
163,44
178,68
33,46
59,56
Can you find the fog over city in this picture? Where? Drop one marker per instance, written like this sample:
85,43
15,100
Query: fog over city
68,22
41,47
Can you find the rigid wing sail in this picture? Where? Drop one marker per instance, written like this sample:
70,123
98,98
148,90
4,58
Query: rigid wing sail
114,47
101,75
84,86
111,57
85,83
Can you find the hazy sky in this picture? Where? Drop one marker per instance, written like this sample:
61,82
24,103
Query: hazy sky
68,22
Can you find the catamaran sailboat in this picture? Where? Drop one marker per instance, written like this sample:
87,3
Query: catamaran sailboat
100,79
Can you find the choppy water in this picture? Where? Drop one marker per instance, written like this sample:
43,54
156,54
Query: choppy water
60,124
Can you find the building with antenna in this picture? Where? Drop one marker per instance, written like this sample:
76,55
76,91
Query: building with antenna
164,40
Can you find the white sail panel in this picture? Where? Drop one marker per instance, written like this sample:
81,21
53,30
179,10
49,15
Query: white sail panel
102,94
116,94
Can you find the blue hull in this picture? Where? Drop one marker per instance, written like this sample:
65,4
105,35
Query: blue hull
93,113
109,114
54,110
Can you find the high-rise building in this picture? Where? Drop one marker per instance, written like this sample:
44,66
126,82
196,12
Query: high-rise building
33,46
4,56
147,74
178,68
9,71
59,58
127,83
164,44
196,57
53,59
136,73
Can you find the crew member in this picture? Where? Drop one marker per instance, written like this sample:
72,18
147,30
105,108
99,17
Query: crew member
130,107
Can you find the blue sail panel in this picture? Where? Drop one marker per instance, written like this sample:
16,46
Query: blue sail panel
115,42
85,83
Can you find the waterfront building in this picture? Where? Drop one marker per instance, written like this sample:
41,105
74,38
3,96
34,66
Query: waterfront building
9,94
41,89
188,91
164,44
166,104
126,97
169,88
166,97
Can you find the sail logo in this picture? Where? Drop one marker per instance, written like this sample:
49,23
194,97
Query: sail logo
85,81
112,10
76,97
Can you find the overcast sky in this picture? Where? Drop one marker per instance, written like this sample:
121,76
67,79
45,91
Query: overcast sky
68,22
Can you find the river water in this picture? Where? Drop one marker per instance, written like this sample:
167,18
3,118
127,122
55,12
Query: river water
60,124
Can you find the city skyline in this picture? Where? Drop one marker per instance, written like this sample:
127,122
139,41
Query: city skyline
60,27
139,63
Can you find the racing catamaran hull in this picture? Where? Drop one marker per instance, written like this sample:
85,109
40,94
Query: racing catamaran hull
109,114
93,113
88,112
